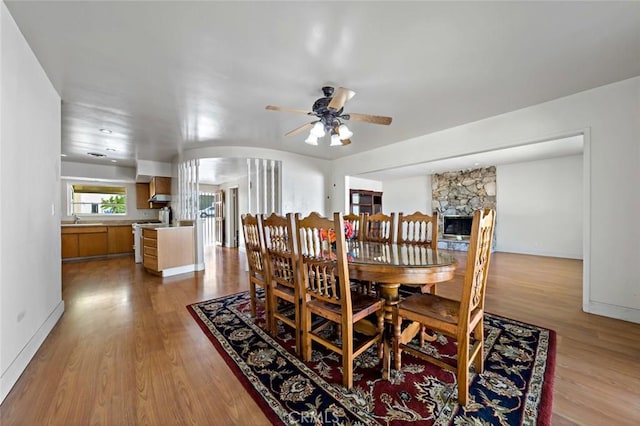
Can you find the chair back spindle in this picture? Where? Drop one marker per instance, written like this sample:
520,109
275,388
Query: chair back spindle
379,227
418,228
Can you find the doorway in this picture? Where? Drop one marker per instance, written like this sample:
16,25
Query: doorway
233,217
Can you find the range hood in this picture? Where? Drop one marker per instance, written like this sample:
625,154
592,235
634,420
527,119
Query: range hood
160,198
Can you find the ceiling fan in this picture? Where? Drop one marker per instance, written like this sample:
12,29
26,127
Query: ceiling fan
329,111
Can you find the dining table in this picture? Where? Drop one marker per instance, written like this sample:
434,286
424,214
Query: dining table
390,265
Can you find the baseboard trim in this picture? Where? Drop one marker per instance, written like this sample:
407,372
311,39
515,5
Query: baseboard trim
613,311
17,367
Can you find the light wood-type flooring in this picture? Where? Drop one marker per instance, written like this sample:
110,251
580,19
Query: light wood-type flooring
127,352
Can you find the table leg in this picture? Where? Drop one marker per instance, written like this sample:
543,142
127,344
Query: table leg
391,296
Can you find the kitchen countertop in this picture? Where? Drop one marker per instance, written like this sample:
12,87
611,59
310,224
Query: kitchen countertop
109,222
164,226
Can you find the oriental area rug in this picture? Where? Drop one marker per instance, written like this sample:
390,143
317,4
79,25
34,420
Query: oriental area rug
515,388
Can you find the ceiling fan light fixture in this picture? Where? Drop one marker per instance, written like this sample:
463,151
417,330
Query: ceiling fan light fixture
344,132
335,140
318,130
311,140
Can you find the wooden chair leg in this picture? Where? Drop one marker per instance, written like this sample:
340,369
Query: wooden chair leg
273,327
267,311
306,336
347,361
252,298
463,370
479,336
297,331
381,330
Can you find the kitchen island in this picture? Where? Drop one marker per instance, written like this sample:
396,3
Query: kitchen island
168,249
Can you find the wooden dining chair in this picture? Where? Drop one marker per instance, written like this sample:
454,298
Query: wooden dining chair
378,227
356,221
254,246
461,320
284,288
324,274
420,229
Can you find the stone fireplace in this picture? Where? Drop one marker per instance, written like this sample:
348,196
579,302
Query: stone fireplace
455,196
456,227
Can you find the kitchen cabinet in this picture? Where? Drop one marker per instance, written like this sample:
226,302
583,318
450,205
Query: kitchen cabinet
120,239
93,244
159,185
93,241
84,241
168,250
142,196
363,201
144,191
69,245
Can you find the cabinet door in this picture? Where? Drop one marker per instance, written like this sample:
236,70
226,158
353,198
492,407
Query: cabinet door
120,239
92,244
69,245
142,196
160,185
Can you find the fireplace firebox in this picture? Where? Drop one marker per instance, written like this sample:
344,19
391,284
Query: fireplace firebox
457,227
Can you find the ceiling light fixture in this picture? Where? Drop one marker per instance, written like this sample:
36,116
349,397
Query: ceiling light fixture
107,131
114,161
311,140
111,149
329,111
332,126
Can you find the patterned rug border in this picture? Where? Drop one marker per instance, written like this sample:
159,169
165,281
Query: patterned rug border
545,405
246,383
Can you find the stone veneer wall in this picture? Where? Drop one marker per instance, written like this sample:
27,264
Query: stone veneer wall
463,192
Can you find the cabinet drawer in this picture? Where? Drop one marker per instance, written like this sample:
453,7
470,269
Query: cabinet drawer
149,242
150,262
150,233
151,251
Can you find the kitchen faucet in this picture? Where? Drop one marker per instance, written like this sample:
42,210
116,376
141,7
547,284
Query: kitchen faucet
76,219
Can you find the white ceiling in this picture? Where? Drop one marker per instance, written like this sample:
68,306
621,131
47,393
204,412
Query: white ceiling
170,76
530,152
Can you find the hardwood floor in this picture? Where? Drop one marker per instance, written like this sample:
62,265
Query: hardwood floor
126,351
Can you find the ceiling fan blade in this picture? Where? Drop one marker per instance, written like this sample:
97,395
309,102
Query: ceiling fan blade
300,129
283,109
375,119
345,142
341,97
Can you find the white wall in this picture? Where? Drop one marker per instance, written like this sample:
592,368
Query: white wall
407,195
305,180
366,184
547,194
608,117
30,275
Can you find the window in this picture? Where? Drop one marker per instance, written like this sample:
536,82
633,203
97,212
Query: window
97,200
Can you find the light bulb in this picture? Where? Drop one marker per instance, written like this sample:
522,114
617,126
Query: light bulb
335,140
318,130
311,140
344,132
